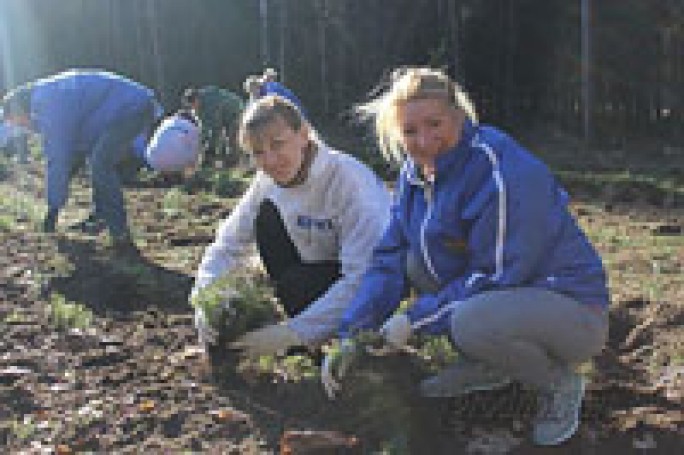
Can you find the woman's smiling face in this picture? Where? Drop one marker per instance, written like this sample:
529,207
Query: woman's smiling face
279,150
428,127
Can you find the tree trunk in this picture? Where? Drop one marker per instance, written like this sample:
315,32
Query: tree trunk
263,14
322,20
282,42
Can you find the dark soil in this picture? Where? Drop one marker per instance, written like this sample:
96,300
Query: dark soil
134,381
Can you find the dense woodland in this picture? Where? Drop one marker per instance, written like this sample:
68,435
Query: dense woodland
522,60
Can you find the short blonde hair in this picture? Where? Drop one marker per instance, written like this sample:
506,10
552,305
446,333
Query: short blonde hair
262,113
408,84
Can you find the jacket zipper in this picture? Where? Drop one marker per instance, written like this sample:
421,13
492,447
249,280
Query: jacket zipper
428,190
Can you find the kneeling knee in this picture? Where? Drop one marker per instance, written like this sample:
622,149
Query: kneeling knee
466,334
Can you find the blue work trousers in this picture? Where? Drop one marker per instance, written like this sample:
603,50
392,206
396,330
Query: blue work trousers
111,149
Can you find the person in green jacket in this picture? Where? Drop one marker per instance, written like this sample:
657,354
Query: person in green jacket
219,110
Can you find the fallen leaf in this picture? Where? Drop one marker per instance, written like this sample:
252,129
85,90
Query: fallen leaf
146,406
42,414
229,415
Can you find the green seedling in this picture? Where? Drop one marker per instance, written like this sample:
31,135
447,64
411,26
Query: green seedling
24,429
438,351
172,203
293,368
237,303
14,317
65,315
7,223
21,206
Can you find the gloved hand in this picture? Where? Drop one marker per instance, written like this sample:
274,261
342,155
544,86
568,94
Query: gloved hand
50,221
397,330
268,340
336,364
207,330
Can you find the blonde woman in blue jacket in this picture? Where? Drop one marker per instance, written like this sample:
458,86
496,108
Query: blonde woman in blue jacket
481,230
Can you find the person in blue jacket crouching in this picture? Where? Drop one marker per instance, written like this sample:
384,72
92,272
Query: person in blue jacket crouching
87,114
480,229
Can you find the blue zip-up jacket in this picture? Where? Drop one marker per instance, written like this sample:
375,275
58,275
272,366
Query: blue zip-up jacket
72,110
494,218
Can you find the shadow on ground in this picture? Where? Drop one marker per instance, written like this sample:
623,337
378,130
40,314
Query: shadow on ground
110,284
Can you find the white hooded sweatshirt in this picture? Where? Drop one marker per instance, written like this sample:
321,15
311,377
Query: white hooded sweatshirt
339,213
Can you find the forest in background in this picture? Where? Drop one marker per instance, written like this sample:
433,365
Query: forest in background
522,60
99,352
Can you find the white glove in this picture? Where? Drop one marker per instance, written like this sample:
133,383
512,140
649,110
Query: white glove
206,334
335,366
397,330
269,340
206,330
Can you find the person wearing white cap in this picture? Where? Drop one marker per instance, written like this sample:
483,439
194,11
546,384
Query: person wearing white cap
175,144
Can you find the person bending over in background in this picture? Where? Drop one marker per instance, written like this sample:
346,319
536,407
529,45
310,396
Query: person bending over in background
218,110
174,148
90,115
314,215
480,229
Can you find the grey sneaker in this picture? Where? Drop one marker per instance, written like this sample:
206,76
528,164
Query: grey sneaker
558,411
461,378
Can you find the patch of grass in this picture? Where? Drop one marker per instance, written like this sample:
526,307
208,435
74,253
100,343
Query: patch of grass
7,223
20,207
293,368
14,317
65,315
35,148
677,358
24,429
625,185
222,182
654,284
4,166
173,203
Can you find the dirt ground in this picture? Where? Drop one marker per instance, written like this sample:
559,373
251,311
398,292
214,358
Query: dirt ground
130,379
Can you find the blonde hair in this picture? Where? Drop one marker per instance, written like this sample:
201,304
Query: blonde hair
407,84
263,112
